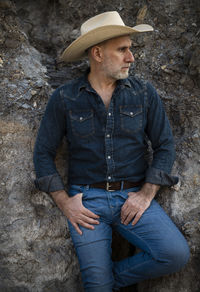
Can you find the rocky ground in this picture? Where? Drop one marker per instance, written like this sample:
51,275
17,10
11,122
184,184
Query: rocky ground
35,247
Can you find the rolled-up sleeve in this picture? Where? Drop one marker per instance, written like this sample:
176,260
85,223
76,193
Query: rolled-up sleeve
160,134
160,177
51,132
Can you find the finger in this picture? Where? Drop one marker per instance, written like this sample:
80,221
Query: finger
137,218
78,195
77,228
124,208
86,225
89,213
88,219
124,212
123,217
129,218
131,193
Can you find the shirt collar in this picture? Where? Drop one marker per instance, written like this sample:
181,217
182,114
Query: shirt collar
85,84
124,82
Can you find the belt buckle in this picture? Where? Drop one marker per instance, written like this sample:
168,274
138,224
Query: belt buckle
108,186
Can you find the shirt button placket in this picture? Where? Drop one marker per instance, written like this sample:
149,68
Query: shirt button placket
109,142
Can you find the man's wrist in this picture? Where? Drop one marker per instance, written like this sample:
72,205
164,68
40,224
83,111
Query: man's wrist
59,196
150,190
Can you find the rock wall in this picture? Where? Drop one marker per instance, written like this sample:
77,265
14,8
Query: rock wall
35,247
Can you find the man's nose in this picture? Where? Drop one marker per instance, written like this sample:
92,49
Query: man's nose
129,57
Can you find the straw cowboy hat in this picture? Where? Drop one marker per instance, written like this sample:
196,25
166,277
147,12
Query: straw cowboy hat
98,29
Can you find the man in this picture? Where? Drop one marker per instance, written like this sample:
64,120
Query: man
107,118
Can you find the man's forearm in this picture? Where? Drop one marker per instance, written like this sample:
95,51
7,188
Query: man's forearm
59,197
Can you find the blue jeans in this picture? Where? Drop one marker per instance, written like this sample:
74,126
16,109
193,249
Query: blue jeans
163,248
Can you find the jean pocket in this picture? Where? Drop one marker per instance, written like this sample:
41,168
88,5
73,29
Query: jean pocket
82,123
75,236
75,189
131,118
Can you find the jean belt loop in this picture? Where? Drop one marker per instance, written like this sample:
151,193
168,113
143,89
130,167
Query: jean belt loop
122,185
87,187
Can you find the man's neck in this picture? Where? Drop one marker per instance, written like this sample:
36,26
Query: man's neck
101,82
103,86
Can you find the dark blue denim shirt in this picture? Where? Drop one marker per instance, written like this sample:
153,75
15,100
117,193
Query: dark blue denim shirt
105,144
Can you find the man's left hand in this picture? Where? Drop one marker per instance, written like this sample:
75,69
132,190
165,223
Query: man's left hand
137,203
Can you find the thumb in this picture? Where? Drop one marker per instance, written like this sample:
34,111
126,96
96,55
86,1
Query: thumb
131,193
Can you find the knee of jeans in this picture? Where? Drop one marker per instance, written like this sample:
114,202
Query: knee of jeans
95,282
96,276
177,255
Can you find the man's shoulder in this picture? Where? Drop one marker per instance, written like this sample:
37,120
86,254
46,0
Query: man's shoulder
71,87
139,84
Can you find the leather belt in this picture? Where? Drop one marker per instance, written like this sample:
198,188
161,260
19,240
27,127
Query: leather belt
117,185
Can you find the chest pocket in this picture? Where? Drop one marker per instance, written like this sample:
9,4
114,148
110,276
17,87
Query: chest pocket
131,118
82,123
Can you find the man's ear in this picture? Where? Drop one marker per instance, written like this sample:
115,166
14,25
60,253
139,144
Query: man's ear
97,53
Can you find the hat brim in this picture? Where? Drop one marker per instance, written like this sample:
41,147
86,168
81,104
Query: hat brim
76,50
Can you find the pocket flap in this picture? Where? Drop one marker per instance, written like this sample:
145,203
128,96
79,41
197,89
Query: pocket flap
131,111
81,116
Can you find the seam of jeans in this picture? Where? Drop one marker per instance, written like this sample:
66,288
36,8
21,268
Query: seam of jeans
152,253
104,286
136,266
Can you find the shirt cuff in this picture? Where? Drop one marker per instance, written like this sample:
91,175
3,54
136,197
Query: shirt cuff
159,177
49,183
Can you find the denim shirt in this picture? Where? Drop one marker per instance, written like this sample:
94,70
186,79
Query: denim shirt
105,144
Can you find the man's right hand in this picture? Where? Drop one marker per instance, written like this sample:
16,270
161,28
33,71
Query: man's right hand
74,210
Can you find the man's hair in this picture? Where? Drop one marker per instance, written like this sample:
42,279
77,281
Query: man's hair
88,51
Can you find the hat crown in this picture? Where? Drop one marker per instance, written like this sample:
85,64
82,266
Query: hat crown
97,29
103,19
